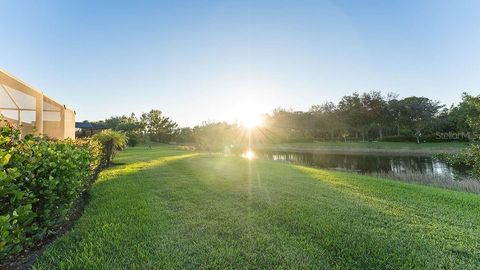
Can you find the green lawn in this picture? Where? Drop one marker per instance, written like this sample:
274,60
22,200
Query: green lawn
169,209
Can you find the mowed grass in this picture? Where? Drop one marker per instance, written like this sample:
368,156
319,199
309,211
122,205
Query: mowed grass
169,209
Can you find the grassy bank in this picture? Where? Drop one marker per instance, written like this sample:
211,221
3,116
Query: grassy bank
373,147
167,209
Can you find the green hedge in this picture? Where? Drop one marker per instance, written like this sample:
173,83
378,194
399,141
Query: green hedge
40,181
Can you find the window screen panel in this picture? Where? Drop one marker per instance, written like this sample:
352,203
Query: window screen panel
5,100
47,106
10,115
27,117
24,101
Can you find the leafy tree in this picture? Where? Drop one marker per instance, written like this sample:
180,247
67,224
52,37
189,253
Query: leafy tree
445,121
417,113
158,127
327,120
219,136
374,111
470,107
110,123
287,125
393,112
354,114
132,128
185,135
279,124
468,111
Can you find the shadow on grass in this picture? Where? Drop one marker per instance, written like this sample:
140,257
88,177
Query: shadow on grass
131,168
113,164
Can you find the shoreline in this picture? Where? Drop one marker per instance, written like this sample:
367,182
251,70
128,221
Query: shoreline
363,151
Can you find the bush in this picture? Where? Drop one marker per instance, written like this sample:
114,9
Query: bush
40,181
112,142
132,139
132,129
468,158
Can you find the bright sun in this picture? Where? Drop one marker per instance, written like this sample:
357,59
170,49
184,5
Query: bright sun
247,113
251,121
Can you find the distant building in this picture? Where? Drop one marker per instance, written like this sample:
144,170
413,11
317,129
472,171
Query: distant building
32,111
83,129
86,129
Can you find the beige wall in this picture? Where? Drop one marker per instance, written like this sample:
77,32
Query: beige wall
53,129
69,124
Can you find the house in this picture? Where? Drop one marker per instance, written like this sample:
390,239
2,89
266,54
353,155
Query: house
32,111
86,129
83,129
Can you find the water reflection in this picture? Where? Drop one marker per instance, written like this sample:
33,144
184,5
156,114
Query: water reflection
369,163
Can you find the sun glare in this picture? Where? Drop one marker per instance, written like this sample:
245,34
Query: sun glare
251,121
247,113
249,154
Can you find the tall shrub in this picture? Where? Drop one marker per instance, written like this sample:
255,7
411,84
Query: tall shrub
112,142
40,180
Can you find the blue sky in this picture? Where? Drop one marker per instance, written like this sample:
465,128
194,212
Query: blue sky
216,60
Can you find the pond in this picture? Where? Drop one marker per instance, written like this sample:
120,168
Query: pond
384,164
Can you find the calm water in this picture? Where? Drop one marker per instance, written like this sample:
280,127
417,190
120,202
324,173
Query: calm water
369,163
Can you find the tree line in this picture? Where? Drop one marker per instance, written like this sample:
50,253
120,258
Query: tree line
363,117
373,116
152,126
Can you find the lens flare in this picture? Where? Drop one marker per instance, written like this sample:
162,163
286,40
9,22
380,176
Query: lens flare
249,154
